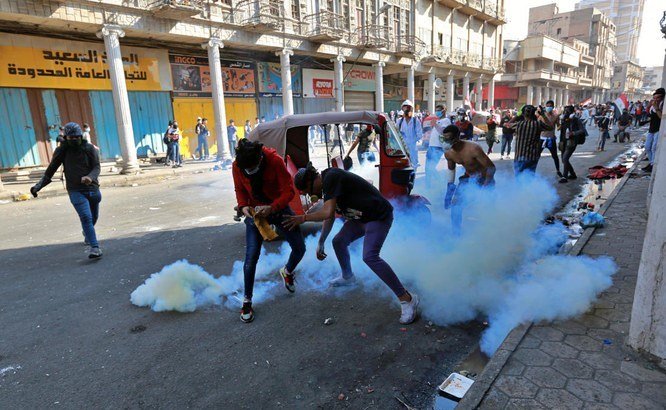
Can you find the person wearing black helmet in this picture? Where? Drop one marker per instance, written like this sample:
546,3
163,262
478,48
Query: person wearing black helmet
528,141
368,214
80,160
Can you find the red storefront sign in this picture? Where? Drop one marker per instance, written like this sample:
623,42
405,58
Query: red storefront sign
322,87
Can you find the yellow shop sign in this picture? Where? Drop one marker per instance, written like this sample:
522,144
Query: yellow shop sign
77,65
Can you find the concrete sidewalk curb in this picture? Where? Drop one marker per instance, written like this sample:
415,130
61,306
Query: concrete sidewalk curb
149,176
482,384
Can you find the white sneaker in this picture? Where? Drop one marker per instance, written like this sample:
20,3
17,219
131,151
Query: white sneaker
342,281
409,310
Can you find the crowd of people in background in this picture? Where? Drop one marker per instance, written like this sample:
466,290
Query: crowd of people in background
529,131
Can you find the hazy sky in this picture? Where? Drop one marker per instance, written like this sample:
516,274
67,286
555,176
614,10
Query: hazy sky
651,44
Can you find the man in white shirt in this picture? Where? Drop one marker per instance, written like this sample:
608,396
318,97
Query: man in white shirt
435,150
412,131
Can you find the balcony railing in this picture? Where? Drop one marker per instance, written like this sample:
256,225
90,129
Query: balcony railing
473,60
409,46
324,26
260,15
176,9
490,8
588,60
587,82
372,36
442,54
475,4
458,56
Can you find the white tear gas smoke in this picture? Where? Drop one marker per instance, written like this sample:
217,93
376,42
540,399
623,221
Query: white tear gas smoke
502,266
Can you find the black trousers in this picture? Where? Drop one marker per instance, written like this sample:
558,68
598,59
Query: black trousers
568,151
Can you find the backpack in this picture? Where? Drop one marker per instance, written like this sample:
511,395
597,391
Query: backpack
165,138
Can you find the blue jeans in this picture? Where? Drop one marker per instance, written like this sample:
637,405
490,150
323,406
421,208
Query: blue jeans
375,233
232,146
603,136
433,156
202,147
521,165
254,240
86,204
506,143
651,145
175,152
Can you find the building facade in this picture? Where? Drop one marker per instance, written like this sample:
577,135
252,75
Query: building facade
588,25
652,78
627,79
627,15
150,61
540,68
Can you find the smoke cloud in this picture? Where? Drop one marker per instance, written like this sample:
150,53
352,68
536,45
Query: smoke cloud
504,265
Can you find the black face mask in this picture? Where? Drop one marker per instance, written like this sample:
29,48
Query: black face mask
75,143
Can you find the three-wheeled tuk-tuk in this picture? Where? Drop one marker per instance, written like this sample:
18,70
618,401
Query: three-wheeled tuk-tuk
289,137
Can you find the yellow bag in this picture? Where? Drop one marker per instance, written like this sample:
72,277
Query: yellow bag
264,227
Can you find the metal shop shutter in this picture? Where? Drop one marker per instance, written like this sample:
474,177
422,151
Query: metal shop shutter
316,105
151,112
359,101
19,145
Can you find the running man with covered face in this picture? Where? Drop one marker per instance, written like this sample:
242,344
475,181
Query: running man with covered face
368,215
80,160
479,169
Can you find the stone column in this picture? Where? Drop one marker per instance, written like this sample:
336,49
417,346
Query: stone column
111,35
566,97
285,68
410,83
379,88
431,90
491,92
529,99
339,88
219,112
648,314
450,92
538,96
546,94
466,87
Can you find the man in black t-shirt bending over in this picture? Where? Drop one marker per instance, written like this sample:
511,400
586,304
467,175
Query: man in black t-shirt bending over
368,214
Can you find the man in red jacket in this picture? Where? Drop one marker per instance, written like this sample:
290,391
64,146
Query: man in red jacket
264,189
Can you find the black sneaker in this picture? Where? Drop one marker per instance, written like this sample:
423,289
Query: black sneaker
559,174
247,314
95,253
563,180
647,168
572,176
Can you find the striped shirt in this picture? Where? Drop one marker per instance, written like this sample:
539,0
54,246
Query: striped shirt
528,141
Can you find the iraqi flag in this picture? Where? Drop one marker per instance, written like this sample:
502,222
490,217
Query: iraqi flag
586,102
620,104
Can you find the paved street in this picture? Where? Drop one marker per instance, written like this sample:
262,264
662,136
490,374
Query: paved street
70,336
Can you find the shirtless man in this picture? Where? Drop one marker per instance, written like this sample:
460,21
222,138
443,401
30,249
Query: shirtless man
479,169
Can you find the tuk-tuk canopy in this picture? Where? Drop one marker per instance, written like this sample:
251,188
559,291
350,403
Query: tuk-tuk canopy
274,133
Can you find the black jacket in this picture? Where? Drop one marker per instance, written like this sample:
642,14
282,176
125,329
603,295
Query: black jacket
78,163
